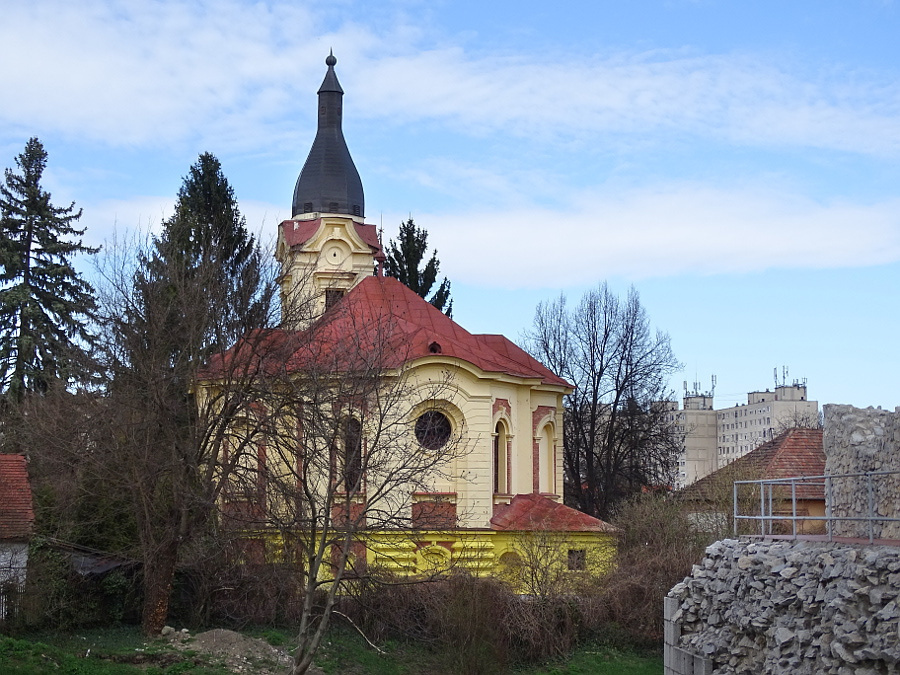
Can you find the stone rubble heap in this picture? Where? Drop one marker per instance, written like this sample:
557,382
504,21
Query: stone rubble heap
787,607
856,441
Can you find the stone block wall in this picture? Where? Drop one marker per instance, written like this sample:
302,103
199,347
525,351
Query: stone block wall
859,440
786,607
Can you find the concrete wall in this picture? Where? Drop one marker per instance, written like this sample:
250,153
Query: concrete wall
859,440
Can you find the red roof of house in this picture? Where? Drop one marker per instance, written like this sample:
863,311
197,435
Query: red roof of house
380,323
298,232
793,453
526,513
16,510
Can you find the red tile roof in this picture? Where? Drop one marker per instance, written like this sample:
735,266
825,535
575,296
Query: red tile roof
795,452
16,510
527,513
380,323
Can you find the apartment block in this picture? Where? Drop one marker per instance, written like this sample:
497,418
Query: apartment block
715,437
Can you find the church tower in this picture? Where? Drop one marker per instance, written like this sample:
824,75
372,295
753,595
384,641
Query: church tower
326,248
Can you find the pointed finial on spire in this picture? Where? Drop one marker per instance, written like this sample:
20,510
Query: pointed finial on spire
330,60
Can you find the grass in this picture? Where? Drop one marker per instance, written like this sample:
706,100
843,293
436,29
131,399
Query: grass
602,660
346,653
124,651
113,651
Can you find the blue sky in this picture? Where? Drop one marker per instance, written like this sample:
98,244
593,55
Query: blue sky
737,162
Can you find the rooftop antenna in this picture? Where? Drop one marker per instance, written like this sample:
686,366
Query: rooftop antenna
775,374
712,391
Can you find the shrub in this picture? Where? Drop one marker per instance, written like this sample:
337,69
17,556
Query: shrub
658,546
479,624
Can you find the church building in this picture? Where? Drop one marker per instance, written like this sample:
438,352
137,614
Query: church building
501,408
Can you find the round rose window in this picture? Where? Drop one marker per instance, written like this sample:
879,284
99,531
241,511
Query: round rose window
433,429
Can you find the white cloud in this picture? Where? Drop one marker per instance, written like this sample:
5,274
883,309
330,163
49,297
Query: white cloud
667,231
725,97
112,218
663,231
116,218
152,73
156,73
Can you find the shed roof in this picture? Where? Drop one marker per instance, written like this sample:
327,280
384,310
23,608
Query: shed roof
16,509
793,453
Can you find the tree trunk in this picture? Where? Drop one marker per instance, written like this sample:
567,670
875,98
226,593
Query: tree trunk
159,573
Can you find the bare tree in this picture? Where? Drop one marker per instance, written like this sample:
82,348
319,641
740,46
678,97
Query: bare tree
798,418
342,433
163,321
618,439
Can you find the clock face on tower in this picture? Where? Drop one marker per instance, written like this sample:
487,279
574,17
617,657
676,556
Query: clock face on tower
335,253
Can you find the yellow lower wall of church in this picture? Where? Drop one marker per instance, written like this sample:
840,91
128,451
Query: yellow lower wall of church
532,562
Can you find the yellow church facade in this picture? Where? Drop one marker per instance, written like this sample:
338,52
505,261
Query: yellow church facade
450,458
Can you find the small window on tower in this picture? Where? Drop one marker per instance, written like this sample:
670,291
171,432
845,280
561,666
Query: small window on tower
332,296
307,207
333,207
356,209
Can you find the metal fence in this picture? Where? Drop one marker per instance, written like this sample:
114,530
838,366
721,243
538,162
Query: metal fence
856,505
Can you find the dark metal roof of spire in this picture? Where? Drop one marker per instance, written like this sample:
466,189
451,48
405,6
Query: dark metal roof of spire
329,181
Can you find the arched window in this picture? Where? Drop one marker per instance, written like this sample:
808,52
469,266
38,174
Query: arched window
501,456
547,461
244,473
352,454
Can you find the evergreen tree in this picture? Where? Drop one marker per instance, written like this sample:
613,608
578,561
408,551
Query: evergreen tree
44,303
202,284
404,262
207,237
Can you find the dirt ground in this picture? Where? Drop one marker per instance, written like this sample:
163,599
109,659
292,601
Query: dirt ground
241,654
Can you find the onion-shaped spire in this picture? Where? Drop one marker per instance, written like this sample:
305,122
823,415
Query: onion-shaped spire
329,181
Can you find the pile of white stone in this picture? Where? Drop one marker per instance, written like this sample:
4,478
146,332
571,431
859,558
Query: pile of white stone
787,607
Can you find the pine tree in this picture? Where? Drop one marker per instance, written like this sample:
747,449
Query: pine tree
207,237
404,262
44,303
202,284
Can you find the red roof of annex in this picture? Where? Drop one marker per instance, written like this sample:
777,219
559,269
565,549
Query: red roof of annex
16,510
534,512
